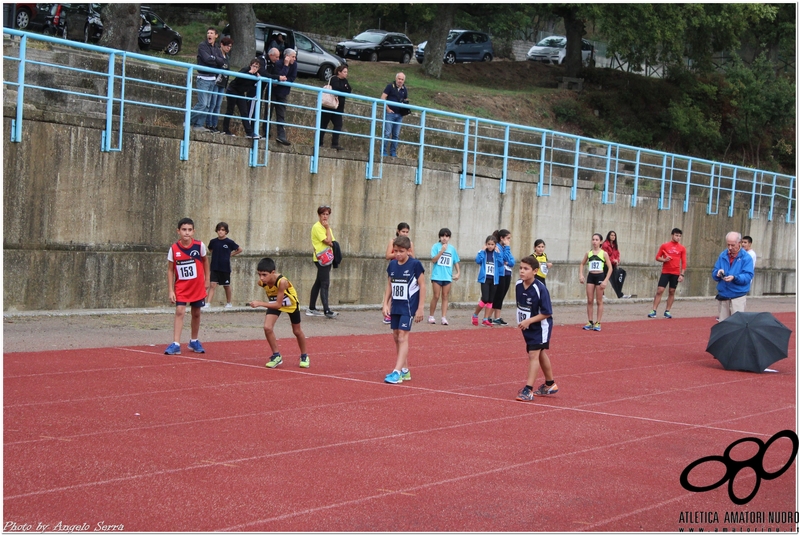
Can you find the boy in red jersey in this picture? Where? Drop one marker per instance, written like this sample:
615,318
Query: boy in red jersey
189,279
672,255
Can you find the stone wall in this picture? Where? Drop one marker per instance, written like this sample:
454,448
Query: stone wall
87,229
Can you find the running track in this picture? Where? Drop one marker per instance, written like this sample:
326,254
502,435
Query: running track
213,442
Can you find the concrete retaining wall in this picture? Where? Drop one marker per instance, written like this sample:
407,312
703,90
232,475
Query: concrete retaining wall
85,229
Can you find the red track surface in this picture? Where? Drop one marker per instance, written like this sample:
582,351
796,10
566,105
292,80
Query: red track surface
217,442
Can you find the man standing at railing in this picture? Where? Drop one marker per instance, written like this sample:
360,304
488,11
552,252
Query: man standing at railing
394,92
208,55
267,70
286,69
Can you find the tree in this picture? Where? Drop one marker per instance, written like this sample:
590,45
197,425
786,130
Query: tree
242,30
437,42
121,23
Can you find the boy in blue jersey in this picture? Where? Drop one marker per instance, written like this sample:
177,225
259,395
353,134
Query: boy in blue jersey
534,316
404,294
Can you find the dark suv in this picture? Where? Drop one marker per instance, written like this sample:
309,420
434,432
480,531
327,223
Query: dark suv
377,45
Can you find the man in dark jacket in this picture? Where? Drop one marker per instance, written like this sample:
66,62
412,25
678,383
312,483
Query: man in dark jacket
286,69
208,55
267,70
240,94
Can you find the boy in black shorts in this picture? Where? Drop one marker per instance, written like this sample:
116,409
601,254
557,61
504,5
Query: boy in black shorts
282,297
221,249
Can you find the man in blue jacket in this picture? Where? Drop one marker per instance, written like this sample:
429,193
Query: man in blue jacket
733,272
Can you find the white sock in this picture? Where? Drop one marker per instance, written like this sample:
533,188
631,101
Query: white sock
404,370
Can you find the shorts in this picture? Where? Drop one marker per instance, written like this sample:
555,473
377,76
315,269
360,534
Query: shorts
222,278
668,278
595,278
536,347
194,304
295,316
487,291
401,322
442,283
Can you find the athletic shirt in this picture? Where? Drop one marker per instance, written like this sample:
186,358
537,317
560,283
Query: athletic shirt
404,280
290,300
596,262
542,261
442,269
531,302
220,253
189,271
491,257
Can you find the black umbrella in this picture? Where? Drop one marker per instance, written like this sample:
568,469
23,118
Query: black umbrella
749,341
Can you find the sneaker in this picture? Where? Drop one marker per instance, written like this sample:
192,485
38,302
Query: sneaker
285,142
626,296
431,320
589,326
444,321
314,312
475,320
198,128
229,305
173,349
207,305
305,362
545,390
231,134
331,314
667,314
253,136
274,361
500,321
405,376
525,394
652,314
597,326
488,323
387,320
196,346
394,378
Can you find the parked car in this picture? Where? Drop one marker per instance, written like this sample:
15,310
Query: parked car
83,22
25,13
312,59
553,50
463,45
46,19
377,45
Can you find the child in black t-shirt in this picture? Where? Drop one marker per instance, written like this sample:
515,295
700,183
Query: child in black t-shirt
221,249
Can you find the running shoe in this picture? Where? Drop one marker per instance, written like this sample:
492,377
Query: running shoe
545,390
487,322
475,320
652,314
173,349
305,362
589,326
394,378
207,305
196,346
229,305
525,394
314,312
406,375
387,320
597,326
667,314
274,361
431,320
444,321
500,321
331,314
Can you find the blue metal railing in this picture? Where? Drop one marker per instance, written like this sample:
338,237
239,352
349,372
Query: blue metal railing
467,140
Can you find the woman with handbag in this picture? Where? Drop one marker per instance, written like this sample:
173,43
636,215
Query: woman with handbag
322,241
334,105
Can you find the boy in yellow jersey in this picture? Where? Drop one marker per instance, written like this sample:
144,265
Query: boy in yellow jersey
282,298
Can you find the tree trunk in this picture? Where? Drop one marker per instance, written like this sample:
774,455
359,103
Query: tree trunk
121,23
437,42
242,30
575,29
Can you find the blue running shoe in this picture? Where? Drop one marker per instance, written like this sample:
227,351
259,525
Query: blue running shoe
196,346
589,326
667,314
545,390
394,378
652,314
525,394
173,349
597,326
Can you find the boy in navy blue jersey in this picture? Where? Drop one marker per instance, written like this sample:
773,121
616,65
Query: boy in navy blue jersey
534,316
221,249
404,294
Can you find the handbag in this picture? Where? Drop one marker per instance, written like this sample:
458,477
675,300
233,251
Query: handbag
325,257
328,100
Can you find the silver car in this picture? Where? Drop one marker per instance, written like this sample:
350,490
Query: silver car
552,49
314,60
